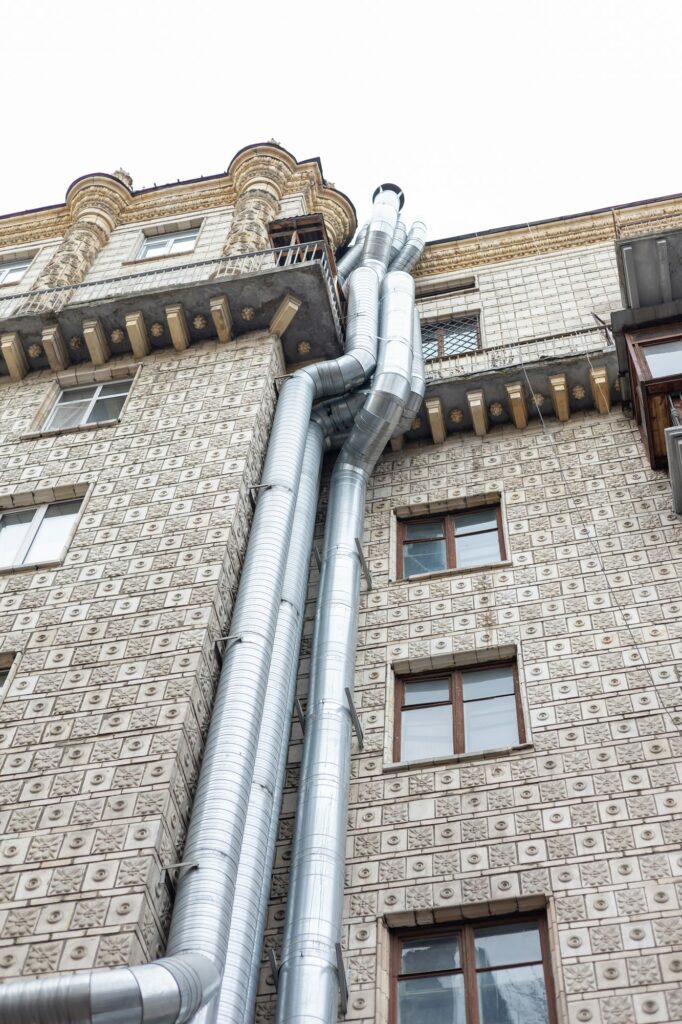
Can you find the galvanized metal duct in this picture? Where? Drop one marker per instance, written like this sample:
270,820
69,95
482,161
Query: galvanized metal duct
308,977
408,257
188,977
351,259
169,990
418,383
240,980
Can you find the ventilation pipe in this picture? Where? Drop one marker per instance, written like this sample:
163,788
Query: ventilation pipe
418,383
351,259
240,980
408,257
171,990
308,976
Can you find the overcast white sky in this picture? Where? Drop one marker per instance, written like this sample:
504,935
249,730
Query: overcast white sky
486,112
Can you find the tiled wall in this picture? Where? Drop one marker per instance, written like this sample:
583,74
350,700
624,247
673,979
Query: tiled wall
587,820
537,296
100,727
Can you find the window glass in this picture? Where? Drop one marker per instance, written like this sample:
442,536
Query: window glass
14,527
507,944
420,531
106,409
431,1000
426,732
4,673
665,358
490,723
53,532
435,954
171,244
513,995
184,242
424,556
12,272
430,691
474,522
477,549
495,681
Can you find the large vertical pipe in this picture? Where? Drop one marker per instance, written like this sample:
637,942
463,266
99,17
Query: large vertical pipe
308,980
238,994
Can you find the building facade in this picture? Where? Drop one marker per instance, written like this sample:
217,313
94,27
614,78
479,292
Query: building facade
514,832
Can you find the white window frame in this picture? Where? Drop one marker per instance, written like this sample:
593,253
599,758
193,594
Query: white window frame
7,267
84,419
38,516
169,238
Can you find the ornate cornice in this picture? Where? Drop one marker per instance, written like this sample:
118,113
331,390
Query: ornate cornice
528,240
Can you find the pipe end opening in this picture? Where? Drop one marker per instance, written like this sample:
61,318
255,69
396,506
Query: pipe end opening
388,186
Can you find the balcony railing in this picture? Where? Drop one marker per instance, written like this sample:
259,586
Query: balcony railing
157,278
528,350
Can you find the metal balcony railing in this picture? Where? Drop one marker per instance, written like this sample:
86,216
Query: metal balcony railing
162,278
527,350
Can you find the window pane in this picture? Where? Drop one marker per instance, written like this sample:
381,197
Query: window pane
477,549
490,723
77,394
427,692
106,409
67,414
53,532
512,996
184,242
4,672
426,556
427,955
117,387
13,273
426,732
417,531
154,247
13,531
507,944
481,519
435,1000
488,682
664,359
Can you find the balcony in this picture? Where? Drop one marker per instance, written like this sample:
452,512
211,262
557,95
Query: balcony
178,306
555,375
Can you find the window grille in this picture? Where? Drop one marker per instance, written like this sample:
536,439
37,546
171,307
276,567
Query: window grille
451,337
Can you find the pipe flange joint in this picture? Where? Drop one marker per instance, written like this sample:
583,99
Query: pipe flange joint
388,186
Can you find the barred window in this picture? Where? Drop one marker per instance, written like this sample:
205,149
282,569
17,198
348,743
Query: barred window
451,337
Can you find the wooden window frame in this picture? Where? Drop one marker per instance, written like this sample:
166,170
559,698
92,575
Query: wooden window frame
465,930
456,704
448,519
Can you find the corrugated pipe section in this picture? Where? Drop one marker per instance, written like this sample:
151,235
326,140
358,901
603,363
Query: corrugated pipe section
308,978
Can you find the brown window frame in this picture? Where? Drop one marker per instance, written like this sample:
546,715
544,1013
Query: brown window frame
651,396
466,930
456,703
448,519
